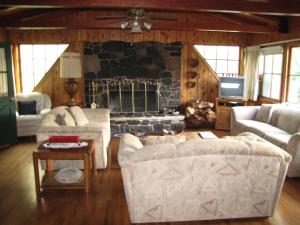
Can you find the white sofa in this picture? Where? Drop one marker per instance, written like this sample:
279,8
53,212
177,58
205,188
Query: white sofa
97,127
201,179
277,123
27,124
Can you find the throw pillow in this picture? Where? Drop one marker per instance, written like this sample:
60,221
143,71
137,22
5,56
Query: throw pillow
49,120
264,114
79,116
27,107
63,117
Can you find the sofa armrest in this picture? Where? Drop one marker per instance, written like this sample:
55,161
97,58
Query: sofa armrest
69,129
97,115
244,112
45,111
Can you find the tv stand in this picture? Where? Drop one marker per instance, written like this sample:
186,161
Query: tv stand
223,110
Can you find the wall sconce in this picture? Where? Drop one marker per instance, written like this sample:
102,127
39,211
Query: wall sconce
70,68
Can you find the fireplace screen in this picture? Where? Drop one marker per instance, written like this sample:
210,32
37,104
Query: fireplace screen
132,96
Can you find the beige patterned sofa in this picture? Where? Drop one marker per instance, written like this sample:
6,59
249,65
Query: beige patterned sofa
86,123
277,123
201,179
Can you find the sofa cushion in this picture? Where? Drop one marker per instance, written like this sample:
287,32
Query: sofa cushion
172,139
79,116
63,116
27,107
289,119
259,128
49,120
281,140
264,113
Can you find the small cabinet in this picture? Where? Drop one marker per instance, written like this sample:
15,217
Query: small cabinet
223,110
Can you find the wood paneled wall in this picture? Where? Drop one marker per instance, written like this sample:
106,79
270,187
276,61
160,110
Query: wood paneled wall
67,36
206,81
54,86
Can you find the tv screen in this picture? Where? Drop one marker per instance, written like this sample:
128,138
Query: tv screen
232,87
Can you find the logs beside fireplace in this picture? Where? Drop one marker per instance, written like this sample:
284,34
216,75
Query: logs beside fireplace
199,114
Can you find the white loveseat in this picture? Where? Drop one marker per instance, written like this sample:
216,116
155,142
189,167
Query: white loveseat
27,124
201,179
94,124
277,123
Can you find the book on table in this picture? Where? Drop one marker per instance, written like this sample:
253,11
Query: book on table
63,139
207,135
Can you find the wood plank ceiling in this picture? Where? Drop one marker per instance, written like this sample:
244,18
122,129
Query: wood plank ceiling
251,16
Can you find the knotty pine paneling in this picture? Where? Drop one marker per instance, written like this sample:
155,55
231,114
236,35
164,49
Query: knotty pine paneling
206,82
53,85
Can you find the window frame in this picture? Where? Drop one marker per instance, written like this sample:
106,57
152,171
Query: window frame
34,75
272,74
289,62
221,59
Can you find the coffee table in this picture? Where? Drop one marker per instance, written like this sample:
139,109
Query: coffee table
87,154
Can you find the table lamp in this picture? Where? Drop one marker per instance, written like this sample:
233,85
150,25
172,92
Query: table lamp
70,68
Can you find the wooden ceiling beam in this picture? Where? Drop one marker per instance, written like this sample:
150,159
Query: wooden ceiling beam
227,6
259,18
161,25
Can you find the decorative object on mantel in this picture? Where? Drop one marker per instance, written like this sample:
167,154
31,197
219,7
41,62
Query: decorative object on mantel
70,67
190,84
193,62
192,74
93,87
69,176
200,114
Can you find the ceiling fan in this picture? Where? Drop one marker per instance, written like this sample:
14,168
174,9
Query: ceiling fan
137,19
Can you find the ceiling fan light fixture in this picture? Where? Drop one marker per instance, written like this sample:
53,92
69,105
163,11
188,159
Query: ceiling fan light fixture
147,25
136,27
124,25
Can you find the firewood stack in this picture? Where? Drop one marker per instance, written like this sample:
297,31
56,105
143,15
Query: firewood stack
200,114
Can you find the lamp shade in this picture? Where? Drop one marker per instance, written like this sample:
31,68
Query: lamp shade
70,65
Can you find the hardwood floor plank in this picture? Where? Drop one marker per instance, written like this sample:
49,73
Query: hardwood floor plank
105,204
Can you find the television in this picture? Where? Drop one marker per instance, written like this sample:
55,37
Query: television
232,87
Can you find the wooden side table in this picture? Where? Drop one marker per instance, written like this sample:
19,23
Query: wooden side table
87,154
223,108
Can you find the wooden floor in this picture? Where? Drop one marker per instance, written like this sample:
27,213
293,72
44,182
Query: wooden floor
104,205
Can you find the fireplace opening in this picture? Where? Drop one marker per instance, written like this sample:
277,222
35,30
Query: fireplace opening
130,96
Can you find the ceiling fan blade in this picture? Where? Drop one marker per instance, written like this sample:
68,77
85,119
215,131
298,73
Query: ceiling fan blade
110,17
162,17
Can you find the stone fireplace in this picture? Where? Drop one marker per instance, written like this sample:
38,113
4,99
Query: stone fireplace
134,80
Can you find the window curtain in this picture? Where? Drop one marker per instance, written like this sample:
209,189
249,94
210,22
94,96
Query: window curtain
251,63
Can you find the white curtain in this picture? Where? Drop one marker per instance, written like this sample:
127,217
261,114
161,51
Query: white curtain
251,63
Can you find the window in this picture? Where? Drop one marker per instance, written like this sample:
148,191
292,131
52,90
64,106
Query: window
36,60
270,67
223,60
294,78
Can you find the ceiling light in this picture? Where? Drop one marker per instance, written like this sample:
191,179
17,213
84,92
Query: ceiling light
147,25
136,27
124,25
